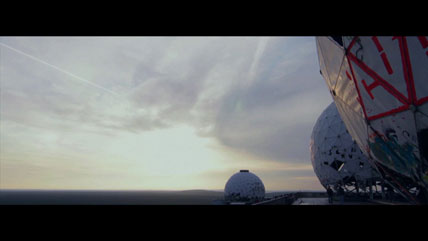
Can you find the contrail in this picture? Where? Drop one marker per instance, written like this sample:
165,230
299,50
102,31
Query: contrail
261,45
61,70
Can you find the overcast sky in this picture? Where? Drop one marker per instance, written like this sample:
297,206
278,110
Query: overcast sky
164,113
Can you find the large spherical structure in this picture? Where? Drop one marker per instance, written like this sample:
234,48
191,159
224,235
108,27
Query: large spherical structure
244,186
379,84
336,158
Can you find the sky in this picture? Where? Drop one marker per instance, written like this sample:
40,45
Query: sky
158,113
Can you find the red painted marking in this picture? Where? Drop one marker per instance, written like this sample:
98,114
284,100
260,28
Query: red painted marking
355,82
370,87
408,67
378,81
377,43
382,54
371,136
422,100
352,42
348,75
393,111
388,87
407,74
381,81
423,41
386,63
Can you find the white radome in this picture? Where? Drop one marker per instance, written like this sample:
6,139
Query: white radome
379,85
244,186
335,157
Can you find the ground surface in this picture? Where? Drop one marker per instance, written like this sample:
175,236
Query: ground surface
324,201
191,197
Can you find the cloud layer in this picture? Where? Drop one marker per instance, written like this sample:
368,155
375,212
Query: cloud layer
259,96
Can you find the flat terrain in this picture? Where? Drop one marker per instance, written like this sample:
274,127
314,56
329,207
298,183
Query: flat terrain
60,197
324,201
188,197
311,201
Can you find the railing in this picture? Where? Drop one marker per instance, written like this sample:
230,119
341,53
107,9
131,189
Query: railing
288,199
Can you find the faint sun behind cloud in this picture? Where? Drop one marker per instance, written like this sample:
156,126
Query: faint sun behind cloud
187,109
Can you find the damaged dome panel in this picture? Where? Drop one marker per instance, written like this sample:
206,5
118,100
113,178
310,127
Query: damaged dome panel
336,158
382,96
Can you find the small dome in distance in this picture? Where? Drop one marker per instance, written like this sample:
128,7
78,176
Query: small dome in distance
244,186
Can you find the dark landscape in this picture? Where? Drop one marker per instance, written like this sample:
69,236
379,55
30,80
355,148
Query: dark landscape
90,197
114,197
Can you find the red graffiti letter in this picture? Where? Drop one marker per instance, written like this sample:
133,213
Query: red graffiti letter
424,42
382,55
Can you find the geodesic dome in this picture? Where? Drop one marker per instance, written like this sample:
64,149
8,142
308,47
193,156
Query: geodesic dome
379,85
336,158
244,186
